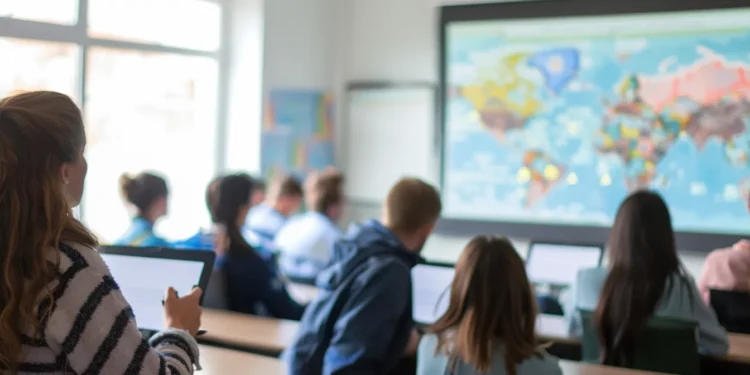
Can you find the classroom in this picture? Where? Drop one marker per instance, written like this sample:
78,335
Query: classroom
398,187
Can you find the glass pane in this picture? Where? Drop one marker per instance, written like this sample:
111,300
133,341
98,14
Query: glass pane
38,65
194,24
64,12
149,111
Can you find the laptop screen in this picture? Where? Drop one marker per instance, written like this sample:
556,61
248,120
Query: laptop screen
144,282
559,264
431,291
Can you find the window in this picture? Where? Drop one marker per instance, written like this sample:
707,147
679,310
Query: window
191,24
64,12
150,94
149,111
34,65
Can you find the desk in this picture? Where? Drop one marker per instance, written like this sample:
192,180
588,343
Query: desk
303,293
248,332
739,348
580,368
218,361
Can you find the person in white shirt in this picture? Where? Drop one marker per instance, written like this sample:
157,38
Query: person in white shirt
284,200
306,240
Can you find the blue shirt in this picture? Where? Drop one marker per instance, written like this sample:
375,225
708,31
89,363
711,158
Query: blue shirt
141,234
429,363
265,221
362,319
305,244
681,301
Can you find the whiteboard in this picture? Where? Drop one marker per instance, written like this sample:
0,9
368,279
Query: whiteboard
390,133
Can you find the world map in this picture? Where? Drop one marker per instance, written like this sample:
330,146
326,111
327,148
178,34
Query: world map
561,130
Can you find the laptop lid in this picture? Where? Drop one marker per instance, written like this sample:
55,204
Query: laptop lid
558,264
431,291
145,273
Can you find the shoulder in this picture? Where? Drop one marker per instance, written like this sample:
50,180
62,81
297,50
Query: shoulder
82,257
542,364
427,344
386,273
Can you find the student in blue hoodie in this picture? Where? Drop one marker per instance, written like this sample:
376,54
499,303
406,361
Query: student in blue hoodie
147,194
253,286
283,200
361,322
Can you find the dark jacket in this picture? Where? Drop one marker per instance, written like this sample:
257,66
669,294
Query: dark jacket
362,320
253,287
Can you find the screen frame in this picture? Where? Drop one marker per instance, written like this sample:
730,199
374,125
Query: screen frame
572,244
206,257
555,233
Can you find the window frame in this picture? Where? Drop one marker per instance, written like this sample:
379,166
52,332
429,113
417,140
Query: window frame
78,34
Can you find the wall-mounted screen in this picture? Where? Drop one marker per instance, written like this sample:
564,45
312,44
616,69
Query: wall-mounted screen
555,120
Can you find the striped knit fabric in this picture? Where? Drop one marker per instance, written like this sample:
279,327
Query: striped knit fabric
90,328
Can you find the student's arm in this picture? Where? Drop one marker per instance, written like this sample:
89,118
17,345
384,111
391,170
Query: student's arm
93,329
712,337
272,291
363,333
704,282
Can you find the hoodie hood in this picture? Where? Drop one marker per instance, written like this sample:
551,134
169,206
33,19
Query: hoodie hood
362,242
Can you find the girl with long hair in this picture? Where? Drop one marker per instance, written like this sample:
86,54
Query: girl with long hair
488,327
61,311
645,278
253,286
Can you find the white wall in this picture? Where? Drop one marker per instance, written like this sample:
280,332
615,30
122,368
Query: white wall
397,40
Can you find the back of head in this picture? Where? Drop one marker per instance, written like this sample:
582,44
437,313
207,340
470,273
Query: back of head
143,190
40,133
228,199
491,301
411,205
326,190
285,194
642,257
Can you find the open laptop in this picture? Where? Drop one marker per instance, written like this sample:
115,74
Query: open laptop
145,273
431,291
557,264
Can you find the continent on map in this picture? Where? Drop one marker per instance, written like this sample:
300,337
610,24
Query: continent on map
558,66
539,173
710,98
507,103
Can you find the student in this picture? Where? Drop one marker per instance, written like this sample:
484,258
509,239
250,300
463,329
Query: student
361,322
305,242
283,200
61,312
645,278
726,269
253,287
488,327
147,194
259,192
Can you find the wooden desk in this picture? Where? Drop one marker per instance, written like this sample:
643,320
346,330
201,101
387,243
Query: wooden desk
739,349
580,368
248,332
218,361
303,293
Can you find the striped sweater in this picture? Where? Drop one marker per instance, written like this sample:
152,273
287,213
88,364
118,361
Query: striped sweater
90,328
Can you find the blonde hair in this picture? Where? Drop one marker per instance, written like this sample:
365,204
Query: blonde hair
39,132
490,300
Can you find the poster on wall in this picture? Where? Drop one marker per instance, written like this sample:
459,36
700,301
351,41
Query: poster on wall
297,134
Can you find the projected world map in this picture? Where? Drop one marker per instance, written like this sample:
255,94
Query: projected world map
558,129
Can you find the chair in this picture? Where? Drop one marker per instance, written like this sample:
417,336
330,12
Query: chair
215,296
668,346
733,309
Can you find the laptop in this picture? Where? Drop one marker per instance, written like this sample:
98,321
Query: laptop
431,291
558,264
145,273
